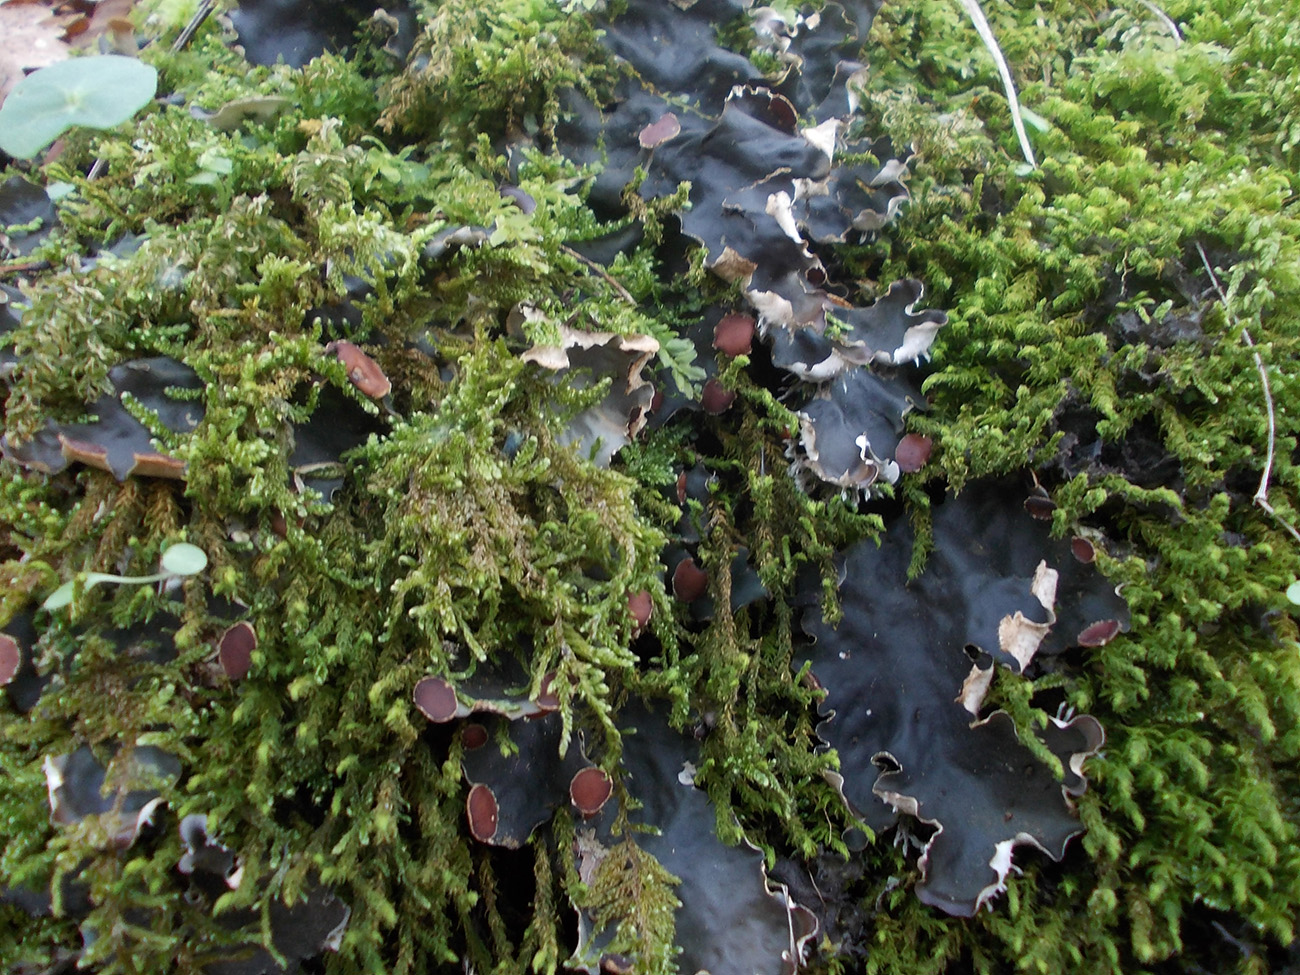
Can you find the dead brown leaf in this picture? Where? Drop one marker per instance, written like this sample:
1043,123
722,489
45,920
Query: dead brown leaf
108,19
31,37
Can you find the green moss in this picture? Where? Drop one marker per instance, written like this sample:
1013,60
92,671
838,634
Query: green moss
510,58
1038,269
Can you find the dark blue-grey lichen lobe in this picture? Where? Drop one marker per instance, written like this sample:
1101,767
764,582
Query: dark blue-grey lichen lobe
907,670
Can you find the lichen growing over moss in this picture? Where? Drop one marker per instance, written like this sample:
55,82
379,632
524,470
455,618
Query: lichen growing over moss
444,530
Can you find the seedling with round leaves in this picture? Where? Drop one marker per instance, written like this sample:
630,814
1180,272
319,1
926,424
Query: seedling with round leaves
181,559
97,92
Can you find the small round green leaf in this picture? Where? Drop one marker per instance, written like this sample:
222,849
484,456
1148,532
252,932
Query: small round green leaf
89,580
184,559
98,92
1293,593
60,597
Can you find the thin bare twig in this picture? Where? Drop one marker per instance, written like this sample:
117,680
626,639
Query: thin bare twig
1261,492
183,39
22,266
985,32
597,269
1165,19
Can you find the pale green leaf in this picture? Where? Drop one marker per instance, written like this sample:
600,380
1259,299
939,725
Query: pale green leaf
98,92
184,559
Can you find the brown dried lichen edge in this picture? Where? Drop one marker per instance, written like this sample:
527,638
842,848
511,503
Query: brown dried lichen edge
235,649
11,658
